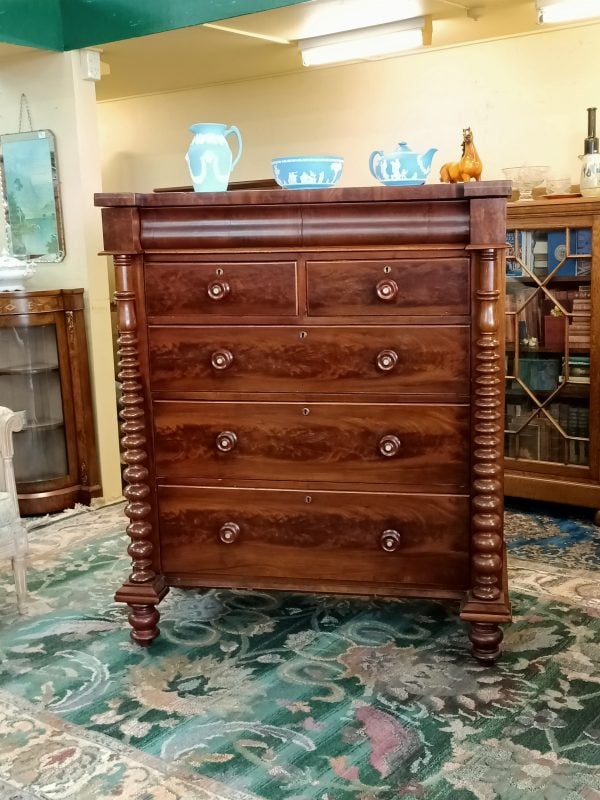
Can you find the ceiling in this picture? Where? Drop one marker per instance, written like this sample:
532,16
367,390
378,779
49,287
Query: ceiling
264,43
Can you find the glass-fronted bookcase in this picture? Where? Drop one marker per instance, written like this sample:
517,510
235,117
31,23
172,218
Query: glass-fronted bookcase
44,371
552,308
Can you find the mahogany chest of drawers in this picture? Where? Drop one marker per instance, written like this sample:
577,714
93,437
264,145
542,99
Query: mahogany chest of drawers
312,394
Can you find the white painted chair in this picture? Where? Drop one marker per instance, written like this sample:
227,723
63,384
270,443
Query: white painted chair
13,536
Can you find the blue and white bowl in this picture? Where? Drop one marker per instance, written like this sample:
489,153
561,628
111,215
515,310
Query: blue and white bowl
307,172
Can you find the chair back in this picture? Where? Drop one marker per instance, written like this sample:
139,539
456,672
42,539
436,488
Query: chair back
10,422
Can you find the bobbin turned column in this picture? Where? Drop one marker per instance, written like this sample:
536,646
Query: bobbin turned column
487,604
144,588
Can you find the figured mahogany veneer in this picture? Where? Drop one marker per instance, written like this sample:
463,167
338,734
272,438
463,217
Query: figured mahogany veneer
312,392
304,536
409,359
316,442
388,287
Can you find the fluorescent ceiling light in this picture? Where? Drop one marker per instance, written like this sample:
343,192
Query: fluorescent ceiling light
567,10
364,43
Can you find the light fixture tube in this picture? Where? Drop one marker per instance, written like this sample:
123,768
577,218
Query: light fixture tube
567,10
363,43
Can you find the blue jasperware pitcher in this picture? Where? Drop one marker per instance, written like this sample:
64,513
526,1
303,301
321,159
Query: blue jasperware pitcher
209,156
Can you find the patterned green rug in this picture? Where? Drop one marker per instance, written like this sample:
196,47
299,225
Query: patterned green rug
290,697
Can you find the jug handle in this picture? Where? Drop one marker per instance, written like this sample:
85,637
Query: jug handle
372,159
234,129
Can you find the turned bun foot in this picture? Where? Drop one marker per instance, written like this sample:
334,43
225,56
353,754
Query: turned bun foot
485,638
597,518
143,620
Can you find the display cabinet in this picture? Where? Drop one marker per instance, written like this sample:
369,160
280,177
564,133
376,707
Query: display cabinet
44,371
552,306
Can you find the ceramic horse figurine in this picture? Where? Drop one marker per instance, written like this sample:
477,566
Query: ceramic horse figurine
468,167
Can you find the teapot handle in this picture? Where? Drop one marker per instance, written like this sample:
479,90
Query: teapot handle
375,154
234,129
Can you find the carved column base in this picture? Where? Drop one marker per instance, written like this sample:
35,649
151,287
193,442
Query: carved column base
142,599
143,620
485,638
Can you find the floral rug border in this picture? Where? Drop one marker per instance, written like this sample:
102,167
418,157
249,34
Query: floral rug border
68,761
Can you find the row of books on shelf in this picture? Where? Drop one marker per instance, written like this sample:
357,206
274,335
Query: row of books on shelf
541,440
540,252
546,373
533,315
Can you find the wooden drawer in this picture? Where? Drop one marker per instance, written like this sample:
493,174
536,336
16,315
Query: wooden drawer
220,289
429,287
400,444
224,536
404,359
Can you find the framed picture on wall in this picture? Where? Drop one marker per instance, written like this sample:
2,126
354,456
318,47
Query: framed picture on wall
31,195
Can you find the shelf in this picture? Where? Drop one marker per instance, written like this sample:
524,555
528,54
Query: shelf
44,425
561,279
510,348
29,369
573,391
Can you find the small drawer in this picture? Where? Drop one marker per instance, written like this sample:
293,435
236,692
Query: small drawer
407,359
199,290
409,287
223,536
402,444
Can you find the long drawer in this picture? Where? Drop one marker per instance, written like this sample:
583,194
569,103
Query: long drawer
224,535
204,289
401,359
429,287
399,444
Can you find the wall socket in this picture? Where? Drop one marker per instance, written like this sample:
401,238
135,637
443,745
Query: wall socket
90,64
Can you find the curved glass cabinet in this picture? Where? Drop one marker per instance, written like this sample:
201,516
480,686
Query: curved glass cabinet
44,371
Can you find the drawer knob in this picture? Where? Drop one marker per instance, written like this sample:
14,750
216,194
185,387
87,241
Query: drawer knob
389,445
226,441
221,359
218,290
390,541
387,289
386,360
229,532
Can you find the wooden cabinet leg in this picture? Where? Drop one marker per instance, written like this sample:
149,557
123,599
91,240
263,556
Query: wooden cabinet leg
597,518
485,638
143,620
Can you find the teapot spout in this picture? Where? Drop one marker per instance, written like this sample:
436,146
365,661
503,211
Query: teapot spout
427,157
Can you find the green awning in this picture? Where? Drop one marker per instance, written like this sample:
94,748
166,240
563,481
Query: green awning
72,24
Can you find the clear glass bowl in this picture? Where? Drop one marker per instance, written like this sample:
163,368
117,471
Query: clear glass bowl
525,179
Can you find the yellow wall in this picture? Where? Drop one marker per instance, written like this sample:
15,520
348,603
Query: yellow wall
61,101
525,98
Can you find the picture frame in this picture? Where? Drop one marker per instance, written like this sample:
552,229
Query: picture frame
31,195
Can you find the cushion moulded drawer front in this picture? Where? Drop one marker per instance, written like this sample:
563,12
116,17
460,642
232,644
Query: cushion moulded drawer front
224,535
429,287
374,443
192,289
399,359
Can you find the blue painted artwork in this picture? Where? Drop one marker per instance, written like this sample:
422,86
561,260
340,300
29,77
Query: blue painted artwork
30,188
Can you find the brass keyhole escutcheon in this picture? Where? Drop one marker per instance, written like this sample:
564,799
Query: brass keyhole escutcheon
303,334
219,271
